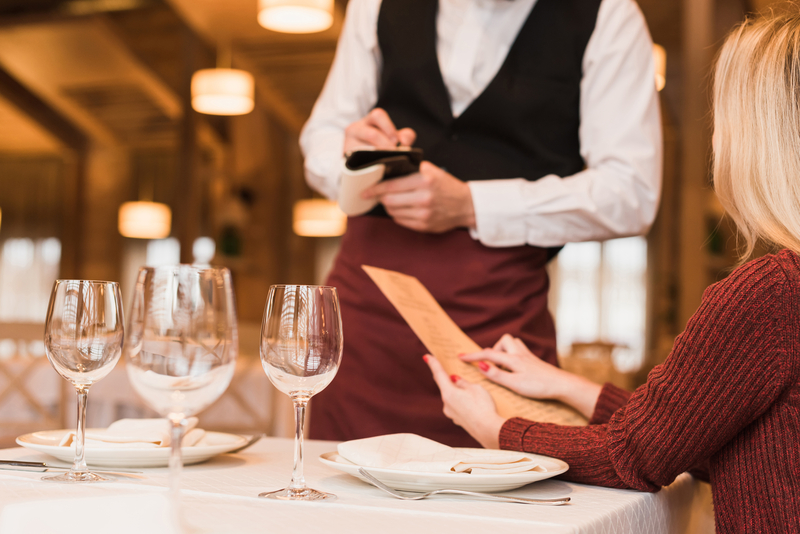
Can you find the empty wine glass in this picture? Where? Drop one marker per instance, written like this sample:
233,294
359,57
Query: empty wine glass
301,348
182,346
83,337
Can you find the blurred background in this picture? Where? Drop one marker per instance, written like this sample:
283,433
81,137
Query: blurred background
107,163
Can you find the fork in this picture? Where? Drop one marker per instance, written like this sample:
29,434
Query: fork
503,498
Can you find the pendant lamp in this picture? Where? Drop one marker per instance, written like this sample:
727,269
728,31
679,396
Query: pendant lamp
223,90
317,217
295,16
660,59
145,220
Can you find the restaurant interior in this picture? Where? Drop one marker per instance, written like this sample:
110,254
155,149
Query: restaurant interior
99,118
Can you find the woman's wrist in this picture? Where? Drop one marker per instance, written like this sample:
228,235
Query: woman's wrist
578,392
488,431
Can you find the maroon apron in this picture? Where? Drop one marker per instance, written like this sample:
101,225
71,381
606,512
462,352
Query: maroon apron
383,386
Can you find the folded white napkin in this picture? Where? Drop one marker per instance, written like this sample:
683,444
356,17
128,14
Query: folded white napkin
410,452
136,434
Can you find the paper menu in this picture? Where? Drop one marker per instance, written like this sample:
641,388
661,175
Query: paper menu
445,340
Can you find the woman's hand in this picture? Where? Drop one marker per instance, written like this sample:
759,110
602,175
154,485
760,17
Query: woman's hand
468,405
510,364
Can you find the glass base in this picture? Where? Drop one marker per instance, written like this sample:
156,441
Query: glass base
77,476
302,494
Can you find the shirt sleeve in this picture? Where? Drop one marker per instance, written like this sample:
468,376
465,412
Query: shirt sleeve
350,92
617,194
728,368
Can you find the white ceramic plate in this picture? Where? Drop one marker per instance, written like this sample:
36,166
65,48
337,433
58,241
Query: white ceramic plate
214,443
417,481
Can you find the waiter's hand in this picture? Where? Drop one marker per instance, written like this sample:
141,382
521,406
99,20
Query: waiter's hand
431,200
376,130
468,405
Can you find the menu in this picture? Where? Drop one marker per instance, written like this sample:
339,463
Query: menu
445,340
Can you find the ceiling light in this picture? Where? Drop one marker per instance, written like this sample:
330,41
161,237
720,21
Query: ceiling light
295,16
660,59
145,220
318,217
222,92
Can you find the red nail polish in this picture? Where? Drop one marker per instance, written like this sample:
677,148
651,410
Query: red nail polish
454,378
425,358
484,366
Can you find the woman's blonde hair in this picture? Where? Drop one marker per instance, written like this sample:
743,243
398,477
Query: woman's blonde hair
757,129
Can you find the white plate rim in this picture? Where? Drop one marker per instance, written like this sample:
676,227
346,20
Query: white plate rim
133,457
416,481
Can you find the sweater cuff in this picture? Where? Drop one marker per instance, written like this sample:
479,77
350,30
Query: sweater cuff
512,434
610,400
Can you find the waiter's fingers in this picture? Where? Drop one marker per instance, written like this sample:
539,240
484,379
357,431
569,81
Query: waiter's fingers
406,136
379,119
411,182
412,200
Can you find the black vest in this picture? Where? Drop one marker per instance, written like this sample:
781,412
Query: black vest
524,124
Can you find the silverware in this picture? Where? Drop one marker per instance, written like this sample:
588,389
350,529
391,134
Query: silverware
20,463
251,441
504,498
45,469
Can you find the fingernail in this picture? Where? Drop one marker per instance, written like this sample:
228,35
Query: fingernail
454,378
462,355
484,366
426,357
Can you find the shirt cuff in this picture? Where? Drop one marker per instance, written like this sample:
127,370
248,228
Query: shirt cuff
610,400
499,212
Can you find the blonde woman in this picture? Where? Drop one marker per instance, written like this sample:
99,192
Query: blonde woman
727,399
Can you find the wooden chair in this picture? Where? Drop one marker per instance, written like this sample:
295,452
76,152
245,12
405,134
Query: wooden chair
32,394
593,360
251,404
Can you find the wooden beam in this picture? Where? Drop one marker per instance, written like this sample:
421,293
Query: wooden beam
41,113
698,50
277,104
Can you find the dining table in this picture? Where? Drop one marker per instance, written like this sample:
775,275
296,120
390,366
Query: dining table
220,496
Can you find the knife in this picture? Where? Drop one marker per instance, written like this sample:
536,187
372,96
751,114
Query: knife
41,467
45,469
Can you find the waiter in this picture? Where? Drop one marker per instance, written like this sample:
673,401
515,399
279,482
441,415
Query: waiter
539,122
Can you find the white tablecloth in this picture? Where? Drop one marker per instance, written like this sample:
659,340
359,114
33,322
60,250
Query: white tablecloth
220,496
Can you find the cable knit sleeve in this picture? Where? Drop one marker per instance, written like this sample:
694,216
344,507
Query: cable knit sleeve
728,367
610,400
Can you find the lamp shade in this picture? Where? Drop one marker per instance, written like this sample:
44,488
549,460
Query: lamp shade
660,59
145,220
317,217
295,16
222,92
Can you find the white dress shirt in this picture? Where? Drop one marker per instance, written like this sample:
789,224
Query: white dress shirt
620,134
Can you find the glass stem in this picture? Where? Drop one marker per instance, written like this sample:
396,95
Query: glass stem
298,480
80,436
175,456
177,430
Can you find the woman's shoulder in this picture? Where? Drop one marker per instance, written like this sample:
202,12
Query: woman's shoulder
761,277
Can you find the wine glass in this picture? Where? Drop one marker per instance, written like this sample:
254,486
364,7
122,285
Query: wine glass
301,348
83,337
182,346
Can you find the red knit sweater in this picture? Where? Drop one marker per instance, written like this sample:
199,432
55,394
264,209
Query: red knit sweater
727,399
